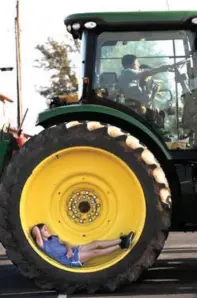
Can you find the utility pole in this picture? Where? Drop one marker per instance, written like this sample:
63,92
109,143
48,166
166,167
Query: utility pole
168,5
18,66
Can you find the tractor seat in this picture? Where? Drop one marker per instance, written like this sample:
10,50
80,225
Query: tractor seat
108,80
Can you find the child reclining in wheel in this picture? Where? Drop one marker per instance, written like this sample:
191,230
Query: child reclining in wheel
76,256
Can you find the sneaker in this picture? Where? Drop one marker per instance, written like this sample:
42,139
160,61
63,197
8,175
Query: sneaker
126,240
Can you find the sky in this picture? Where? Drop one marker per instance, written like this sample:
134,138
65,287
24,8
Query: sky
40,19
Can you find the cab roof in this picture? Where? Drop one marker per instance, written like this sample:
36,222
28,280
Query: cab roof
146,20
113,18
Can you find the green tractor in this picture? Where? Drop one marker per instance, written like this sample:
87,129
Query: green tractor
123,158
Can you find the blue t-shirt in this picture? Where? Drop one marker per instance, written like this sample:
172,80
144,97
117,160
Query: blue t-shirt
54,248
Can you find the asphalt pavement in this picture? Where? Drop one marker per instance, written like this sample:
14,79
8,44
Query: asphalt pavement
174,275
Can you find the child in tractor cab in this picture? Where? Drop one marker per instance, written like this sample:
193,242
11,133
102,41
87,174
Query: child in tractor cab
78,255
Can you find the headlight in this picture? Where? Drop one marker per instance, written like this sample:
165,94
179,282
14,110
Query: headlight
76,26
69,28
90,25
194,21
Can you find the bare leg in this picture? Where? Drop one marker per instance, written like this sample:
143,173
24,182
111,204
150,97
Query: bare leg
99,244
86,256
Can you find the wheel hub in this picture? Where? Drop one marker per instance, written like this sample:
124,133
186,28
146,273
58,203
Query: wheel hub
83,206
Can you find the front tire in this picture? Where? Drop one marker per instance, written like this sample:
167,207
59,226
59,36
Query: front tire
126,188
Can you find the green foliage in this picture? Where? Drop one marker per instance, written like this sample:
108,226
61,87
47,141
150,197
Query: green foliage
56,58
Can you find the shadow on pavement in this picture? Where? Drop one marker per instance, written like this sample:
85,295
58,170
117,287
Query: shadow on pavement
13,283
168,276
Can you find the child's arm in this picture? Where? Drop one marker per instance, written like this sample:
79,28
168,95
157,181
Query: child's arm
69,250
38,238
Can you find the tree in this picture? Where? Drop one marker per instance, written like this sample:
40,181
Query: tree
56,58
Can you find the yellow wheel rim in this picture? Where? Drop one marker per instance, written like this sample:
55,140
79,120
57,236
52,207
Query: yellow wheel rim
84,194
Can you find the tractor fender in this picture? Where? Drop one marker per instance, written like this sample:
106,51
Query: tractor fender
108,115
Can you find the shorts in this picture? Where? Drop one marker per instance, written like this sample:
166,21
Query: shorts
74,261
75,257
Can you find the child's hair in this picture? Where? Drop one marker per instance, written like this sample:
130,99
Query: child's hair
40,226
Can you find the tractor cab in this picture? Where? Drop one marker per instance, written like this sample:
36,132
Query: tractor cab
146,61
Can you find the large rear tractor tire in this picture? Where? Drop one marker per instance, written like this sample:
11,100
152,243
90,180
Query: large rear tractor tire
87,181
